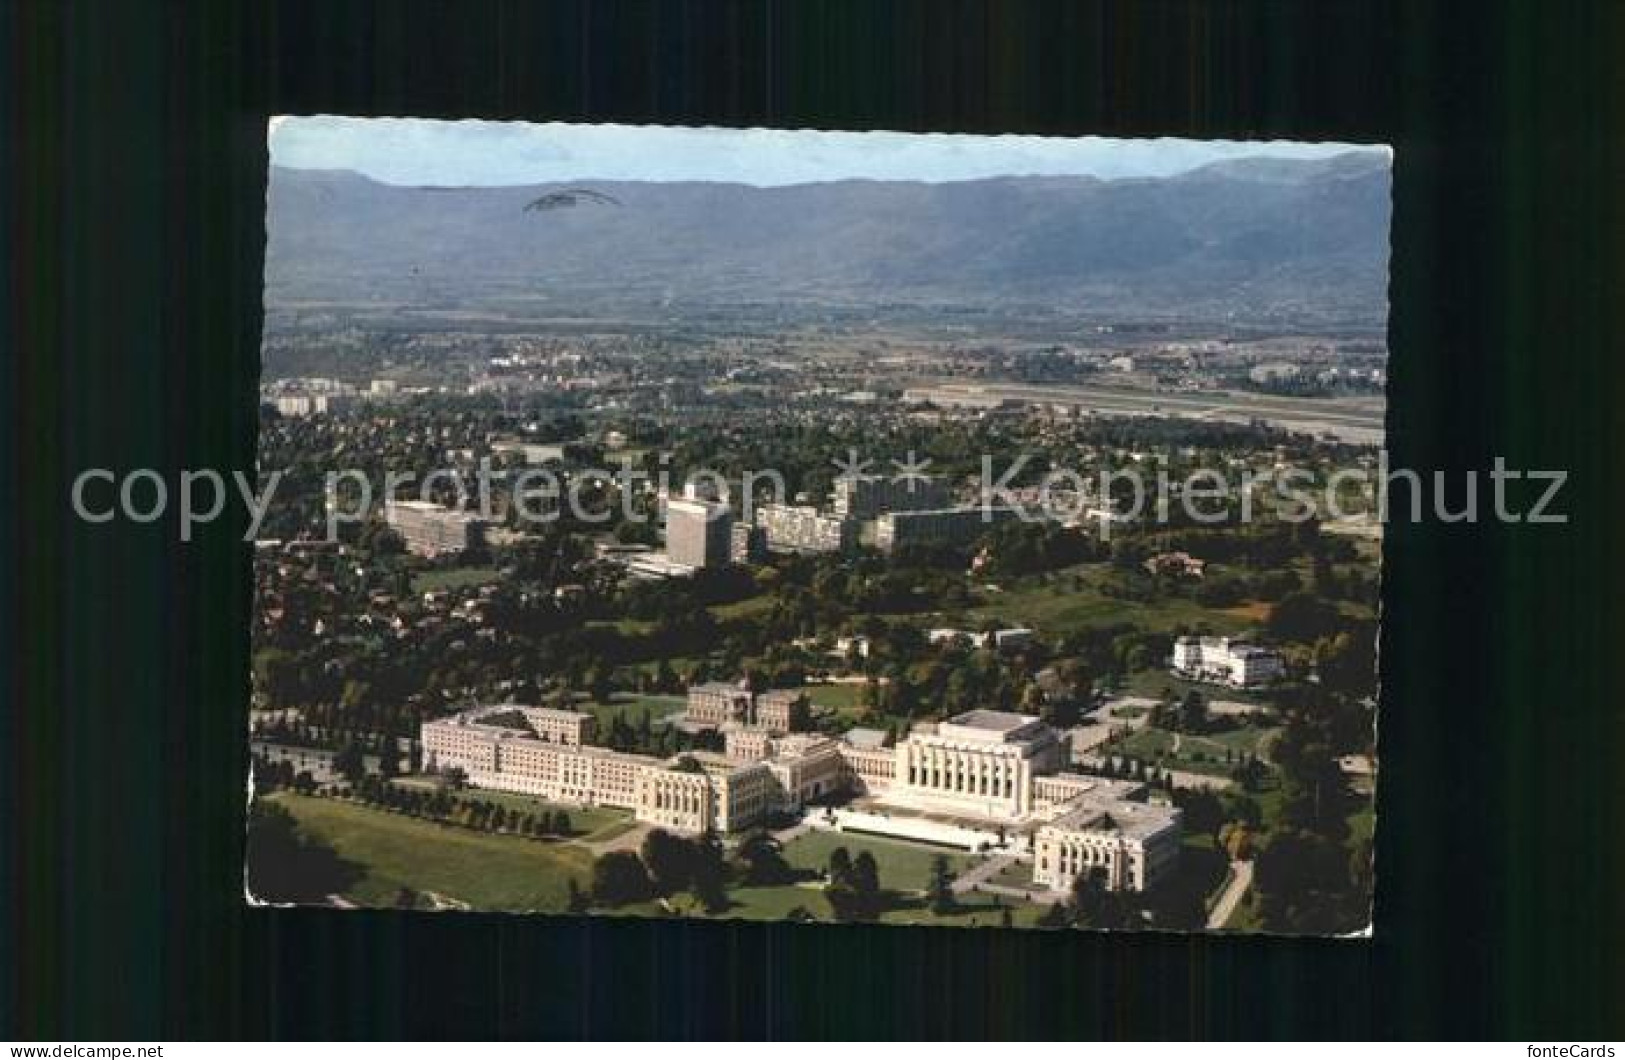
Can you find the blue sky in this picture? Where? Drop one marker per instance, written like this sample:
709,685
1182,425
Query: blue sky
414,151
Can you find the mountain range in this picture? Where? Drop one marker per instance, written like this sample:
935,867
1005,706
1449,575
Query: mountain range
1260,238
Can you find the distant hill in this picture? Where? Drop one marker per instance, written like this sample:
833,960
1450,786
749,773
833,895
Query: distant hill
1257,237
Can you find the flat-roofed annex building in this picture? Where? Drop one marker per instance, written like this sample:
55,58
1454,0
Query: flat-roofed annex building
1133,845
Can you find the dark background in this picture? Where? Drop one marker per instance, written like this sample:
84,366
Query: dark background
131,199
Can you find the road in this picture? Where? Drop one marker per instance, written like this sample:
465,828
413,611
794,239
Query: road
1241,878
981,872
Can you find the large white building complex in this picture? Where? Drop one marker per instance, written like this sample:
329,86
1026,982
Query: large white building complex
979,779
431,529
538,751
1225,661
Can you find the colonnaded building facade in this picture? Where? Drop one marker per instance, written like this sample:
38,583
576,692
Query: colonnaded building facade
980,778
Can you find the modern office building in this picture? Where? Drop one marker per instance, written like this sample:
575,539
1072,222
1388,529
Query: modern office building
952,527
802,528
433,529
862,497
699,533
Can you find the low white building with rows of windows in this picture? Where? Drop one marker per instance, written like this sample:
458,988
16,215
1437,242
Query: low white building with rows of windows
1220,660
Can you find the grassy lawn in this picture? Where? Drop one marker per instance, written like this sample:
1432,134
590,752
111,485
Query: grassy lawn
973,910
846,699
1246,918
1363,822
904,866
458,578
1152,683
1015,874
491,872
761,903
1061,607
843,703
630,708
776,903
632,627
612,831
748,609
585,821
1157,745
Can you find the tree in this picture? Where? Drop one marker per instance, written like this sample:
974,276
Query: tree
1088,897
854,888
763,859
1303,885
619,878
1304,617
600,683
1055,916
350,762
669,861
865,873
1203,811
840,865
286,866
1237,841
941,890
709,873
1193,712
389,758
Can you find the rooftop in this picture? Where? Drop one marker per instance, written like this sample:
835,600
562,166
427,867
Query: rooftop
719,687
992,721
1134,820
867,739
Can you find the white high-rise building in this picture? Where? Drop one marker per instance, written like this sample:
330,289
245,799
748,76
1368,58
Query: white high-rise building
699,533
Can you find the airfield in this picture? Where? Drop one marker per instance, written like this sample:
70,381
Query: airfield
1356,420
